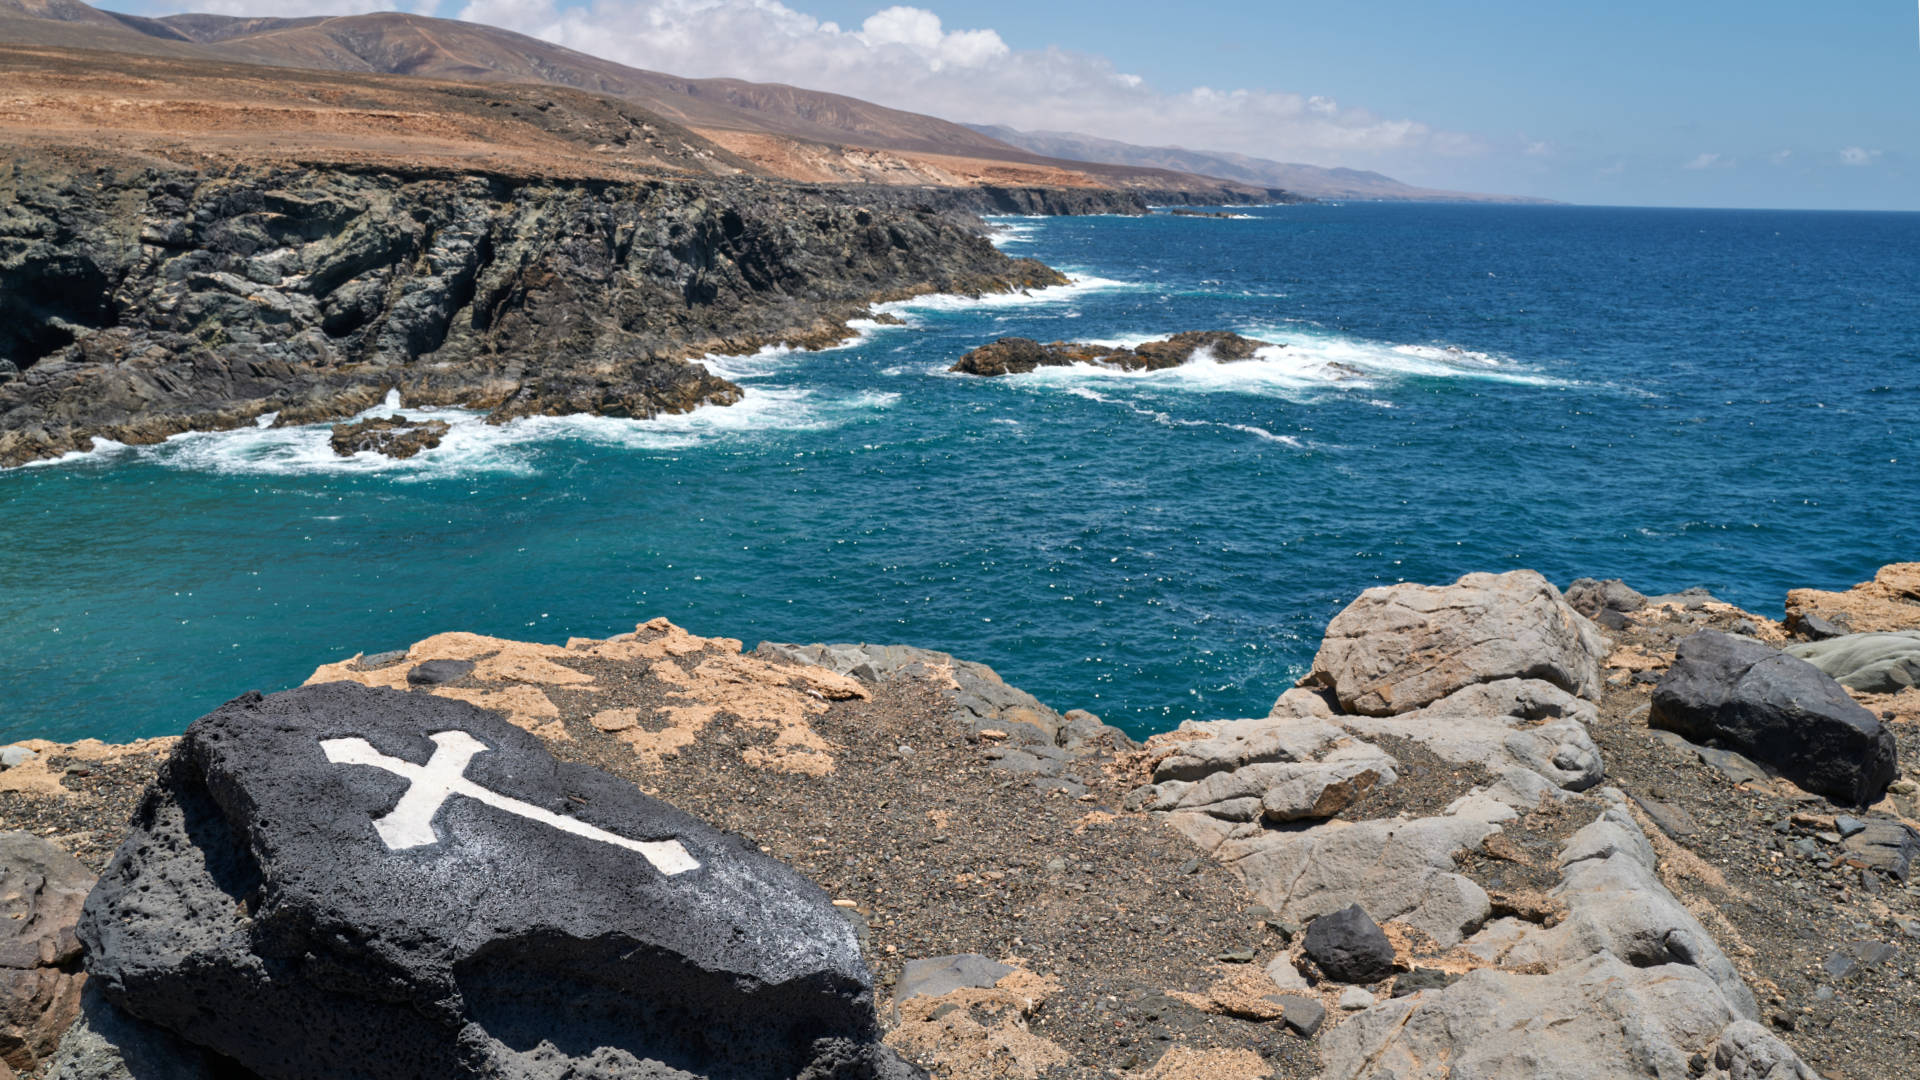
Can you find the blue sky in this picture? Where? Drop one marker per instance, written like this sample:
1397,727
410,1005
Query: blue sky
1758,103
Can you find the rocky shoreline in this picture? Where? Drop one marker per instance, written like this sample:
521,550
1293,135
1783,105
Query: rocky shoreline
140,300
1466,841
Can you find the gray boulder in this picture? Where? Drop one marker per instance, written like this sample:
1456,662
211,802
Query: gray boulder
1401,647
1778,710
338,868
1349,946
1870,663
41,891
1599,1019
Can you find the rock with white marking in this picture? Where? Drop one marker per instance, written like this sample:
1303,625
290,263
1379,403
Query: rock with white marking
414,874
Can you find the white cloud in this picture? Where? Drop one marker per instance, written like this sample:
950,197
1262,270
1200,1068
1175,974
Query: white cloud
1780,157
1710,161
1539,149
908,58
919,30
1856,155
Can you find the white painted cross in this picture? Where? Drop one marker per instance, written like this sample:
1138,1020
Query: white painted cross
410,823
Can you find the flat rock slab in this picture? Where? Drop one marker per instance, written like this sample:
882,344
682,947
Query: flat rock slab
1870,663
938,975
1779,710
413,874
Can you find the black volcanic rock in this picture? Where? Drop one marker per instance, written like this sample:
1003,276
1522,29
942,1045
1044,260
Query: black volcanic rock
298,896
141,302
1780,711
1017,356
1349,946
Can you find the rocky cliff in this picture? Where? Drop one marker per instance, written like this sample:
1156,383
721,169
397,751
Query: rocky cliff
139,301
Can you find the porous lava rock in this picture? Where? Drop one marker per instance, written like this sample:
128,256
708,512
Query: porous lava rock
1779,710
345,881
1017,355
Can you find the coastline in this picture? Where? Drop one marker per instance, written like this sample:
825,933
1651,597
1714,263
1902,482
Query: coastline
164,301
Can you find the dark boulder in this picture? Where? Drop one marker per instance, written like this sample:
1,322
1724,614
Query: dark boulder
394,436
1349,946
1779,710
438,672
341,881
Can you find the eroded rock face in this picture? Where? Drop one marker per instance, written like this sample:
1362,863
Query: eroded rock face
1017,356
142,303
1400,647
1778,710
41,891
394,436
413,874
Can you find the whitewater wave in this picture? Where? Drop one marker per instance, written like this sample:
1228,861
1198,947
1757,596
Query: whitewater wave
1078,285
1300,363
1166,419
472,446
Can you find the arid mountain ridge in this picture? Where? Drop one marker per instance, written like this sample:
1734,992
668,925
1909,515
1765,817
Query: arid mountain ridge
789,132
1314,181
773,130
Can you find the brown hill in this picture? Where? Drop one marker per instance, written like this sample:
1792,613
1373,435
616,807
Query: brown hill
784,130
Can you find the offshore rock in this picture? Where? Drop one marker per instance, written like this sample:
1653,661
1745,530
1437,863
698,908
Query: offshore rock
413,874
41,891
394,436
1017,356
1780,711
1401,647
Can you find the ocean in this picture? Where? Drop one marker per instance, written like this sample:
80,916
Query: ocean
1728,399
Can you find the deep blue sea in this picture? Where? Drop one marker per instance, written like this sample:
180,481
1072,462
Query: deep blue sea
1676,397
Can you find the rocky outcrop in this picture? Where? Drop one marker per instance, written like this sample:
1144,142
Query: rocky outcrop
139,302
417,875
1778,710
1399,647
1890,602
41,891
1017,356
394,436
1482,695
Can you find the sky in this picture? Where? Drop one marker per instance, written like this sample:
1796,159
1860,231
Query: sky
1756,103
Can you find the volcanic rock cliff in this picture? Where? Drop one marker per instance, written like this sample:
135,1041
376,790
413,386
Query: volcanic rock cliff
139,301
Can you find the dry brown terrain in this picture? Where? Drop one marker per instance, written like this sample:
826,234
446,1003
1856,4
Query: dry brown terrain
404,89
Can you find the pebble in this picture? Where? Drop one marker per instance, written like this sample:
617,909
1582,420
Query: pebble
1354,998
13,756
1302,1015
1849,826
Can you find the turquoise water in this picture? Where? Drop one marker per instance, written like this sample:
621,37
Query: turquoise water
1717,398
